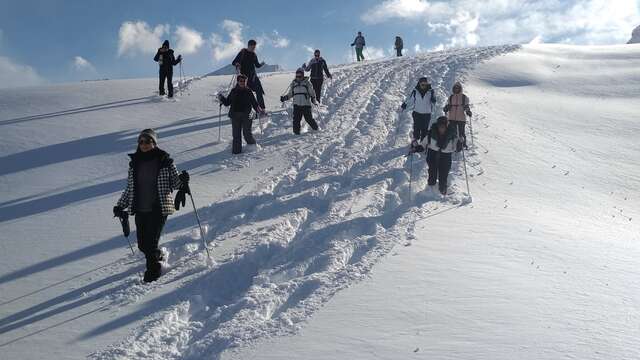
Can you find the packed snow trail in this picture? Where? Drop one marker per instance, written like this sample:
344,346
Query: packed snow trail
307,231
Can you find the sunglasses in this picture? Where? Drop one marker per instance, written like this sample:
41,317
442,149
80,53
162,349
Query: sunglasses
316,55
145,141
424,84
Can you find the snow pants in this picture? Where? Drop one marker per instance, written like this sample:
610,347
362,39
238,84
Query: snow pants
148,230
298,112
166,74
460,125
359,54
399,52
256,86
241,125
420,125
439,166
317,87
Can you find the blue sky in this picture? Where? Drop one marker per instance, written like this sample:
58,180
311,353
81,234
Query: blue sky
60,41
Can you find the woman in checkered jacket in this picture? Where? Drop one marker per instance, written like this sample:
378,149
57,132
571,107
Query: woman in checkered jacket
152,179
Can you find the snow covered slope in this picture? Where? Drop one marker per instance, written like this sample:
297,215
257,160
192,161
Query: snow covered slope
543,264
538,266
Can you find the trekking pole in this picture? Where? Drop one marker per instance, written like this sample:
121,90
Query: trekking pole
220,122
260,123
410,175
181,79
471,129
464,159
195,211
126,230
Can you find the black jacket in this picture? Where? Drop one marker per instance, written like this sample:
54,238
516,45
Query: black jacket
248,62
166,60
317,66
240,100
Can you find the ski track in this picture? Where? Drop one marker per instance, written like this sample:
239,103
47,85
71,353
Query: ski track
306,232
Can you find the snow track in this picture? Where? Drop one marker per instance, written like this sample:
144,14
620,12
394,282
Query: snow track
306,232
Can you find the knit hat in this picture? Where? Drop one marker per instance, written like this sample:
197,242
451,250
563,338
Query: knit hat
423,79
457,84
165,43
442,120
300,71
150,134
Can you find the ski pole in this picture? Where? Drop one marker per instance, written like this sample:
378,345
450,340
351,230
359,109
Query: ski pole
195,211
181,81
471,129
260,123
410,175
464,159
220,122
126,230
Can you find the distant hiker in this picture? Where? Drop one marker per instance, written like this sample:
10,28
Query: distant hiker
457,110
241,100
246,63
421,100
151,180
442,142
359,43
318,68
303,96
166,61
399,45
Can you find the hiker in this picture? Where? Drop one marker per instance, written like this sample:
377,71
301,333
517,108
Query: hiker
165,59
442,142
399,45
151,180
246,63
359,43
318,67
303,96
457,110
421,100
241,100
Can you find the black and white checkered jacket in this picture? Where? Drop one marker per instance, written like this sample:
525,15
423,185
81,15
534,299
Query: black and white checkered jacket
168,181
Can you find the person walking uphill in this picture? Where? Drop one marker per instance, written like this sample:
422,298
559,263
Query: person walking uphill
151,180
303,96
359,43
421,100
318,67
241,100
442,142
165,59
457,110
246,63
399,45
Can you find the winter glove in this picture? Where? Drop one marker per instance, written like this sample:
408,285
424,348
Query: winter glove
179,57
119,212
403,106
262,63
459,146
184,179
446,108
283,98
220,97
329,76
469,113
181,198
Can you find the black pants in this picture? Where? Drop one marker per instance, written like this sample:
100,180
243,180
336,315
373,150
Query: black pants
461,134
317,87
298,112
148,229
398,52
439,166
241,124
166,73
420,125
256,86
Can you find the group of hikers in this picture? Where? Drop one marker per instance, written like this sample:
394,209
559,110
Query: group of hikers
153,176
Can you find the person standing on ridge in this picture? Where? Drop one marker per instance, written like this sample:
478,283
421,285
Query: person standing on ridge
246,63
303,96
399,45
241,100
359,43
318,67
165,59
151,180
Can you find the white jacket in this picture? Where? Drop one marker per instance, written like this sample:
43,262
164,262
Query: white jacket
421,104
301,91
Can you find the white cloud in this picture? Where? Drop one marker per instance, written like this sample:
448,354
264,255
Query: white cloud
224,50
82,64
536,40
275,39
188,41
470,22
14,75
138,36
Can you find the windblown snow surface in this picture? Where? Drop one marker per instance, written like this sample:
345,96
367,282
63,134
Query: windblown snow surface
538,265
